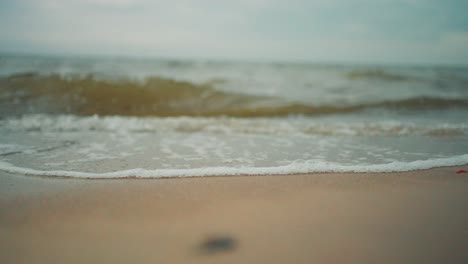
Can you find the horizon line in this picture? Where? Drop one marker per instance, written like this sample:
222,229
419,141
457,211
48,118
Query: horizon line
88,55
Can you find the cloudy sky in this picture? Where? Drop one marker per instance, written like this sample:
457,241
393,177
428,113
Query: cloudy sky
392,31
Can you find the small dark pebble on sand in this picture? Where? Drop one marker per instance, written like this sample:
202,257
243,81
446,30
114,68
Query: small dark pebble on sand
218,244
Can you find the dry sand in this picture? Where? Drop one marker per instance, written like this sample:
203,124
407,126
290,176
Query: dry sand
412,217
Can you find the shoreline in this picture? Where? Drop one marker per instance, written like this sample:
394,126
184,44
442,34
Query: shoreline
398,217
303,169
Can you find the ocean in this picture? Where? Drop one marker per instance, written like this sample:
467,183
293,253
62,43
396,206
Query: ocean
105,117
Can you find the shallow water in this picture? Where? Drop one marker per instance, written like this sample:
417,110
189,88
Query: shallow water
103,117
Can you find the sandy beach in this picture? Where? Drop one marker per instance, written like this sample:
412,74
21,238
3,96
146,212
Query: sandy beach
409,217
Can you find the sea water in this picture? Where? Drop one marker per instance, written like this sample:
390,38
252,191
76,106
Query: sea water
140,117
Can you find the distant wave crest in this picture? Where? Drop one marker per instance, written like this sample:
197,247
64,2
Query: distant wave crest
377,74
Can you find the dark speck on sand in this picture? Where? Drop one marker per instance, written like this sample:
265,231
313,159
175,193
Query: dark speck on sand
218,244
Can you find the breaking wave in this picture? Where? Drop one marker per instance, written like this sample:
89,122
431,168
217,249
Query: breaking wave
86,95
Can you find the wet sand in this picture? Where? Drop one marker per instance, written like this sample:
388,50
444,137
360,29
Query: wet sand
411,217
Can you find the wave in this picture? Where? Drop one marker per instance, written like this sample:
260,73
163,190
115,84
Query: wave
87,95
229,125
298,167
378,75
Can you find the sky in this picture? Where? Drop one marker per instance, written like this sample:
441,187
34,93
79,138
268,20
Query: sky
386,31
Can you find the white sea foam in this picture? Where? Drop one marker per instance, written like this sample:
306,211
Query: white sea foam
228,125
292,168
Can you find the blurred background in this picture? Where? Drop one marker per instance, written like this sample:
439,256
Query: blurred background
399,31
